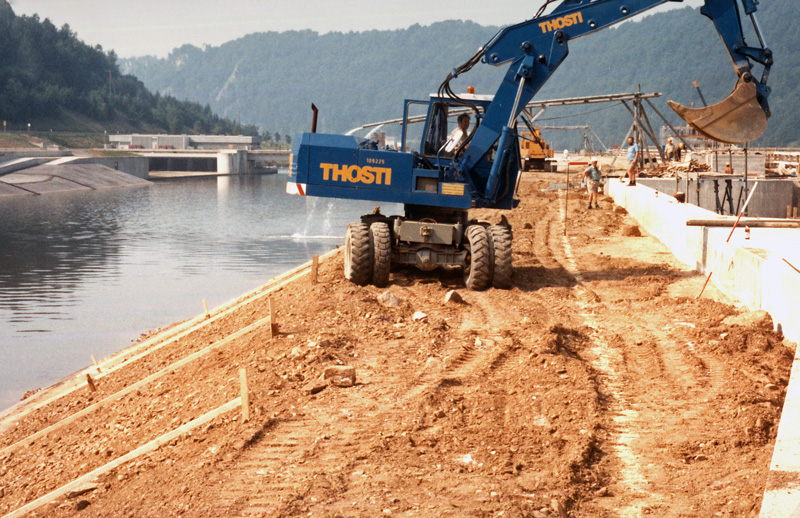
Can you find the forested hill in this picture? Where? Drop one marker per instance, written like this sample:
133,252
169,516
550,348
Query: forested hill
271,79
51,79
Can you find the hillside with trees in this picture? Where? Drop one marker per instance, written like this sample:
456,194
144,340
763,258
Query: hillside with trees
51,79
270,79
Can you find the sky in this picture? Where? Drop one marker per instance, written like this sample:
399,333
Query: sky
156,27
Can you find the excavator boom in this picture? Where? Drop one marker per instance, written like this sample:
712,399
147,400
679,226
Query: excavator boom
455,169
534,49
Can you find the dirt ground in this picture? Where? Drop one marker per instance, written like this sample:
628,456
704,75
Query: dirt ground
598,386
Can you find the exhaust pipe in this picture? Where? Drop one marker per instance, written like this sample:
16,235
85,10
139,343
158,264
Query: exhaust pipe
314,119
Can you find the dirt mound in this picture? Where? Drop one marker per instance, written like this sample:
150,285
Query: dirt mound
585,390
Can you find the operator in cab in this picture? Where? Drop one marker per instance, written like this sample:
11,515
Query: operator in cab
459,134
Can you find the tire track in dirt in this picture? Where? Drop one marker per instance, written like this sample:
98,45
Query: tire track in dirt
609,361
272,477
654,381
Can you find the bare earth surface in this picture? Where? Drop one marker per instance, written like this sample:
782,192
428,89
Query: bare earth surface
598,386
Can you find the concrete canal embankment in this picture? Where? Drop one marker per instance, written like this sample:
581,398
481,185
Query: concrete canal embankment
35,175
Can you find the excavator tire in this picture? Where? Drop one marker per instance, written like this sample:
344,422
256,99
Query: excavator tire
478,273
358,254
381,242
501,245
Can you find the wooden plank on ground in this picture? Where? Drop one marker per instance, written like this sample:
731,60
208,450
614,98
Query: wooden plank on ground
131,388
129,355
141,450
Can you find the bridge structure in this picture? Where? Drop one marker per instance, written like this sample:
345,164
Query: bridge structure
208,161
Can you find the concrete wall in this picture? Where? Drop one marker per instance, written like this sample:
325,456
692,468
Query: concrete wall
184,141
9,155
756,271
19,164
769,201
132,165
172,142
135,166
755,162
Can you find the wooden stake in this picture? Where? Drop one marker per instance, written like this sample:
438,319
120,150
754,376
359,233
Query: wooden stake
94,361
244,394
205,308
746,203
566,200
138,452
788,211
90,381
706,284
314,269
273,326
794,212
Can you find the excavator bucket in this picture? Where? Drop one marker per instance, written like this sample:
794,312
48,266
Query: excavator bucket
737,119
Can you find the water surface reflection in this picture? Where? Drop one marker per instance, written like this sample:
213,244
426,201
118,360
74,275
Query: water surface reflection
87,272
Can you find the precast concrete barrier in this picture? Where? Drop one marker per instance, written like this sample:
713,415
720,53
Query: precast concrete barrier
758,266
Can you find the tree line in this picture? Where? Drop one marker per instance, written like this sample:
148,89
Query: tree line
361,77
47,73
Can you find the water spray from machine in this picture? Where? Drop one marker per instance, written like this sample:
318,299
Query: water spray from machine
317,227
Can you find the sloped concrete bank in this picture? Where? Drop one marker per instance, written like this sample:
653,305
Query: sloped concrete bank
761,268
62,177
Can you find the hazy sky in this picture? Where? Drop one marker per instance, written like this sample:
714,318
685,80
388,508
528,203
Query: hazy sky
155,27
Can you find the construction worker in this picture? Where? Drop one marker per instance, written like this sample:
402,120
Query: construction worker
459,134
728,168
633,160
593,176
669,150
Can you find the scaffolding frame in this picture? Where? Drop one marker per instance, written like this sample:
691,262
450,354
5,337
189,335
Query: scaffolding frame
641,128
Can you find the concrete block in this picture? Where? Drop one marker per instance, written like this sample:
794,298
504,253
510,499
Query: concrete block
769,201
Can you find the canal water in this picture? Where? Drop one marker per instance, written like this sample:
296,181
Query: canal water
87,273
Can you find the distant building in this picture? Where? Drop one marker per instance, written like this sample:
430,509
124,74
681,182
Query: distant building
182,142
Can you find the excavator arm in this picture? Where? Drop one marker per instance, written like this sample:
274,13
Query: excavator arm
534,49
437,187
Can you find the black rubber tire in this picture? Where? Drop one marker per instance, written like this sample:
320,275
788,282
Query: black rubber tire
357,254
501,247
478,273
381,241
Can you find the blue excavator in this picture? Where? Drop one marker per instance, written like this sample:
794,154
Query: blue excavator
455,168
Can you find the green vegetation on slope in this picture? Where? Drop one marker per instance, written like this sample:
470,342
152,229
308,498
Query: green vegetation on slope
52,80
271,79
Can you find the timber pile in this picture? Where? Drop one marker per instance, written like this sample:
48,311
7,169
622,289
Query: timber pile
671,169
783,169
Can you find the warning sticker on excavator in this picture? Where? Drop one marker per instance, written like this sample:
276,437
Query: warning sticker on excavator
453,189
